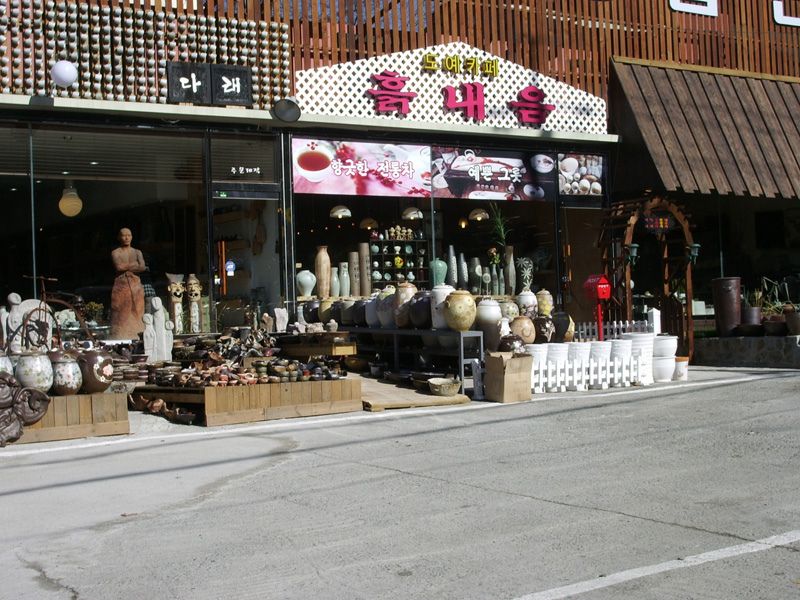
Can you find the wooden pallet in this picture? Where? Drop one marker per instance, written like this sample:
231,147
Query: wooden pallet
85,415
263,402
414,401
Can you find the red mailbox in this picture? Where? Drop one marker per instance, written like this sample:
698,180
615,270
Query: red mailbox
597,289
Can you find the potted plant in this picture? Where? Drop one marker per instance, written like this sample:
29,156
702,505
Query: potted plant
751,310
772,308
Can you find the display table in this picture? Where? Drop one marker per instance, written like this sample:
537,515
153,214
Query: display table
304,345
464,356
84,415
263,402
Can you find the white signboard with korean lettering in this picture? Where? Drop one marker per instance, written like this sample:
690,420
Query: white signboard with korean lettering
449,84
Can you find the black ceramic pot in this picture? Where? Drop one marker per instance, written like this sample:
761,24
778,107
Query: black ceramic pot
311,311
420,310
726,292
511,343
360,313
561,324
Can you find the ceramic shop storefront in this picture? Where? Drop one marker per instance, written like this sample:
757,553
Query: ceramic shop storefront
160,130
450,142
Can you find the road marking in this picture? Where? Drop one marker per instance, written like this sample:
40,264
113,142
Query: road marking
66,446
582,587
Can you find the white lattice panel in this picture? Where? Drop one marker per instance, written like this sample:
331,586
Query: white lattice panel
340,90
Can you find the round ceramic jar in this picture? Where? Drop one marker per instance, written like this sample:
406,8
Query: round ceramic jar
402,299
489,313
97,370
523,327
34,370
438,295
420,310
67,376
460,310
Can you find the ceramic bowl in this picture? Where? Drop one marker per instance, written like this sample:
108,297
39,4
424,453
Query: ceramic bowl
442,386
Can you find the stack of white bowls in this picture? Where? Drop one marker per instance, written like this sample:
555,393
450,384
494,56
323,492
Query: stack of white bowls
579,351
664,348
642,346
538,352
557,353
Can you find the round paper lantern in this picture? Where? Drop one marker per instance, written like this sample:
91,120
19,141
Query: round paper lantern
70,204
64,73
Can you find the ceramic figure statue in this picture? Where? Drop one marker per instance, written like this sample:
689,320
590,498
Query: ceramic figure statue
281,319
194,293
149,338
344,280
176,290
159,325
127,294
169,338
16,316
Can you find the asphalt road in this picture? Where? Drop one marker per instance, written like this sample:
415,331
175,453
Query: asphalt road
644,493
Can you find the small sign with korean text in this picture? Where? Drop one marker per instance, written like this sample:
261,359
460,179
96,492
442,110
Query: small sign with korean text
232,85
222,85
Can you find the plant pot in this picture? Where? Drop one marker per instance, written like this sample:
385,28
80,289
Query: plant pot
663,368
775,327
681,369
665,345
726,293
751,315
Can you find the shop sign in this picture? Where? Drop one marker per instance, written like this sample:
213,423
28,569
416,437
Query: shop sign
195,83
710,8
449,84
360,168
658,223
242,170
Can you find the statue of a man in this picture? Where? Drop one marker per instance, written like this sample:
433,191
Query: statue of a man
127,295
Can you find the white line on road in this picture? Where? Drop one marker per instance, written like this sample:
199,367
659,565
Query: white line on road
582,587
338,419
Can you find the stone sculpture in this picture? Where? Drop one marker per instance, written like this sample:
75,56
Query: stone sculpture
194,292
127,295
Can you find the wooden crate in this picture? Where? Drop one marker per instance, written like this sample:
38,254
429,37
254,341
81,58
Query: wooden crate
85,415
249,403
306,350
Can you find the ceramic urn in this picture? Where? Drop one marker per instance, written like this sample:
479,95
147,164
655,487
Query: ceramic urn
34,370
402,298
67,376
97,370
460,310
524,328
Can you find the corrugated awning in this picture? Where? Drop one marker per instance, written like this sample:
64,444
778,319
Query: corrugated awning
716,131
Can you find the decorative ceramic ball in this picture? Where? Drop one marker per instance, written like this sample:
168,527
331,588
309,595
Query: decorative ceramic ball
64,73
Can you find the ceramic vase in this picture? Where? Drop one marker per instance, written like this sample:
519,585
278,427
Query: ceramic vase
544,329
402,299
438,271
487,319
511,343
523,327
463,275
494,282
509,271
67,377
451,278
335,285
528,305
475,274
420,310
460,310
509,309
545,302
371,312
562,321
311,311
386,307
344,280
354,270
348,312
322,270
35,371
438,295
97,370
364,268
306,281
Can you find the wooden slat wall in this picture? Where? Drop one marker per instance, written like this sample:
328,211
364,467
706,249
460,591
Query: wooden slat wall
571,40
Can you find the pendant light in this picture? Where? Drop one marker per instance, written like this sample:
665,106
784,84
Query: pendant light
368,223
412,213
479,214
70,204
340,211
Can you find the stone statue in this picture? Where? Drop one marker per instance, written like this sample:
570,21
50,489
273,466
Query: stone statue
127,295
169,337
149,338
159,325
176,289
194,292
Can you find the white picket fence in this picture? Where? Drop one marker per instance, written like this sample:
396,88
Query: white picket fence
586,331
579,375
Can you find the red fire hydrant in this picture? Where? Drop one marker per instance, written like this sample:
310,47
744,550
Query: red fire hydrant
598,289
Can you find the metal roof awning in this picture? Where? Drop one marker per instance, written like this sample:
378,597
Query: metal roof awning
712,131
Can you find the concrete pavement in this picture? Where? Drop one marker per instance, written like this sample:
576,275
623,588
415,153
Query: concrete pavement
555,498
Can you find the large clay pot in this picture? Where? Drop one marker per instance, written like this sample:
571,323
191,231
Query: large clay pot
371,312
545,301
324,310
322,269
347,311
438,295
67,376
528,305
544,329
509,308
34,370
460,310
386,307
561,321
360,313
402,297
487,319
311,311
97,370
420,310
726,293
438,271
524,328
306,281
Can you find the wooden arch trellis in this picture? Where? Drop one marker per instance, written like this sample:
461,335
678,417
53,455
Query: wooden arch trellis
616,239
